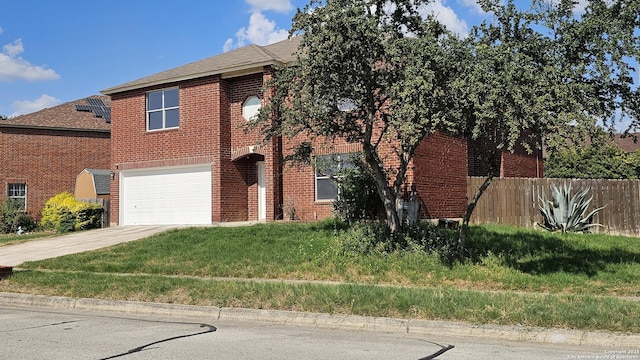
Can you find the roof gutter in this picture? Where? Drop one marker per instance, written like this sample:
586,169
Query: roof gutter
35,127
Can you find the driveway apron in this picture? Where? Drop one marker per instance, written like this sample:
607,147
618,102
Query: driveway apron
14,255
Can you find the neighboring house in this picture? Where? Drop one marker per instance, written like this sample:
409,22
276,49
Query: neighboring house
42,153
628,143
180,154
516,163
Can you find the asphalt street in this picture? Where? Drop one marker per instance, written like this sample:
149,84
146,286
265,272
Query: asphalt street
39,333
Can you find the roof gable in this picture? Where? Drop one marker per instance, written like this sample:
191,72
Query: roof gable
242,59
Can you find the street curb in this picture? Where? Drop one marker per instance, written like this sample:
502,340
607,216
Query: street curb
328,321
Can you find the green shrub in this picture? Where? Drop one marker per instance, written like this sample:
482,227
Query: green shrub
24,221
365,238
12,217
63,213
358,199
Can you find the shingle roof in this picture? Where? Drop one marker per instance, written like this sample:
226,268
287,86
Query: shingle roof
628,143
101,179
64,116
242,59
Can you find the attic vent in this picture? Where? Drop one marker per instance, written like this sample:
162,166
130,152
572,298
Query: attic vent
98,108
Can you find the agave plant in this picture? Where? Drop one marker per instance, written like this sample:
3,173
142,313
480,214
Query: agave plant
565,213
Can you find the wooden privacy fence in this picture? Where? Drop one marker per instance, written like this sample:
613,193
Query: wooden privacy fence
514,201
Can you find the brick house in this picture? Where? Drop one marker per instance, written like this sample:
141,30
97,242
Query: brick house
42,153
180,154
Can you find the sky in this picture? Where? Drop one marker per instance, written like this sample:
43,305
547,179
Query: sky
52,52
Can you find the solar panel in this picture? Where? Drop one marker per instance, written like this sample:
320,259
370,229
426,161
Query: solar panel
83,108
98,108
95,102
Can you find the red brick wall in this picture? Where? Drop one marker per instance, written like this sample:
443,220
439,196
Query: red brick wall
438,173
299,194
193,142
242,88
518,163
49,161
199,101
440,176
298,181
522,164
233,175
241,138
211,128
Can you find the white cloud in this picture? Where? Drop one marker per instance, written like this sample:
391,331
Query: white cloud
446,16
13,49
1,30
26,106
261,31
472,4
283,6
228,45
14,67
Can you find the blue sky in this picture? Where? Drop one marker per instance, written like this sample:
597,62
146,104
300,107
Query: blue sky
52,52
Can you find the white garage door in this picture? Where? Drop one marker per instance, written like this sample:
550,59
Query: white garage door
166,196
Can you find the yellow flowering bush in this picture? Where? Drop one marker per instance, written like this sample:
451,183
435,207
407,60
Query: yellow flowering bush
63,213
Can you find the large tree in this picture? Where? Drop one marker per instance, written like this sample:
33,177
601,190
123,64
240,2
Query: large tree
546,73
370,72
376,72
605,161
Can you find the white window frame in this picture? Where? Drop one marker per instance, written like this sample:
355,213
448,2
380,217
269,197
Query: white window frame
341,158
251,107
163,109
12,189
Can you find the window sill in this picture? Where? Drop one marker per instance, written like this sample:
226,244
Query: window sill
161,130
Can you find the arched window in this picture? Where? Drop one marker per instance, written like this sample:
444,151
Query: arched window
250,107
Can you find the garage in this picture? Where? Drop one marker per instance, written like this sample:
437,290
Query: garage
166,196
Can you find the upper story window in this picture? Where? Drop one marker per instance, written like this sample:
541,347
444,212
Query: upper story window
17,193
163,109
251,107
327,169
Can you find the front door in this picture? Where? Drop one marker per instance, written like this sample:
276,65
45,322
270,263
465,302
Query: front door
262,192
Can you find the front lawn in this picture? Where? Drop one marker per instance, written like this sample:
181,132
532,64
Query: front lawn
514,276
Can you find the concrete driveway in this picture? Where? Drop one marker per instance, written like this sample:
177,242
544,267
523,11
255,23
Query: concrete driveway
14,255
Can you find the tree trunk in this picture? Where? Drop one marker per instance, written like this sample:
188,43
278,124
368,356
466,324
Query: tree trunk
389,201
464,229
387,196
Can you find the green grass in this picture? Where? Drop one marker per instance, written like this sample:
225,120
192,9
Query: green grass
515,276
12,239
